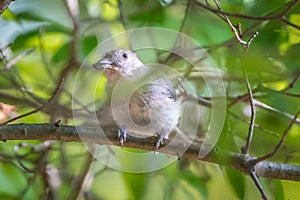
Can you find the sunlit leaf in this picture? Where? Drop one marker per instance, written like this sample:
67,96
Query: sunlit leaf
237,182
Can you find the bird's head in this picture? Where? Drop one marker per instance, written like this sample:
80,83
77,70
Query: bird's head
119,63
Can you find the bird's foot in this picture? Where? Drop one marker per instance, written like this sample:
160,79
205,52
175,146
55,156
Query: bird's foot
159,141
122,133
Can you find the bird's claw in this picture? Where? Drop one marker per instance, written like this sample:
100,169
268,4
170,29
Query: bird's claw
122,133
159,141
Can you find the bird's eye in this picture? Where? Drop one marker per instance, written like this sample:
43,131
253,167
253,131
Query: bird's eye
125,55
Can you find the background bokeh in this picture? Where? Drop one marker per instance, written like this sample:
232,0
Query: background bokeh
42,42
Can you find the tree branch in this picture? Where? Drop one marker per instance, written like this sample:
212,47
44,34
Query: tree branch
280,144
53,96
19,57
3,5
246,149
65,133
258,185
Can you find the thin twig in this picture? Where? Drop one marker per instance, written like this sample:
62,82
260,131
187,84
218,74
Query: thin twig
256,125
19,57
251,39
73,63
290,23
269,108
269,16
186,12
52,98
258,185
236,33
178,41
77,186
30,181
241,97
123,19
246,149
122,16
191,97
245,97
237,30
2,56
291,85
245,45
289,6
279,145
292,95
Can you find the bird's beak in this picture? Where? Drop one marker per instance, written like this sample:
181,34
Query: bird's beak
103,64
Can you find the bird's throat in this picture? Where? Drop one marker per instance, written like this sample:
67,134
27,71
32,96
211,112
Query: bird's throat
112,76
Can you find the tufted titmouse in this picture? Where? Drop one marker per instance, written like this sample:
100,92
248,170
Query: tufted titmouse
151,108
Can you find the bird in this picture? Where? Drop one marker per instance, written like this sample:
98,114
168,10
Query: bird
152,108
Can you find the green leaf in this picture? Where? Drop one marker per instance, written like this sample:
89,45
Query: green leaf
42,10
87,45
196,182
278,190
143,11
62,53
4,195
136,184
12,180
237,182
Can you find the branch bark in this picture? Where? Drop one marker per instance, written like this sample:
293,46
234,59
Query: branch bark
3,5
66,133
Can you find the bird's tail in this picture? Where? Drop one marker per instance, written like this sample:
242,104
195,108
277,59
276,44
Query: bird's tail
180,136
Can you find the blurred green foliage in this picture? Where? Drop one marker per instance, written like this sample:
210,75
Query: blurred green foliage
272,63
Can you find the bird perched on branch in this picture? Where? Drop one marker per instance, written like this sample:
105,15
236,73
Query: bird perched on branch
151,105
